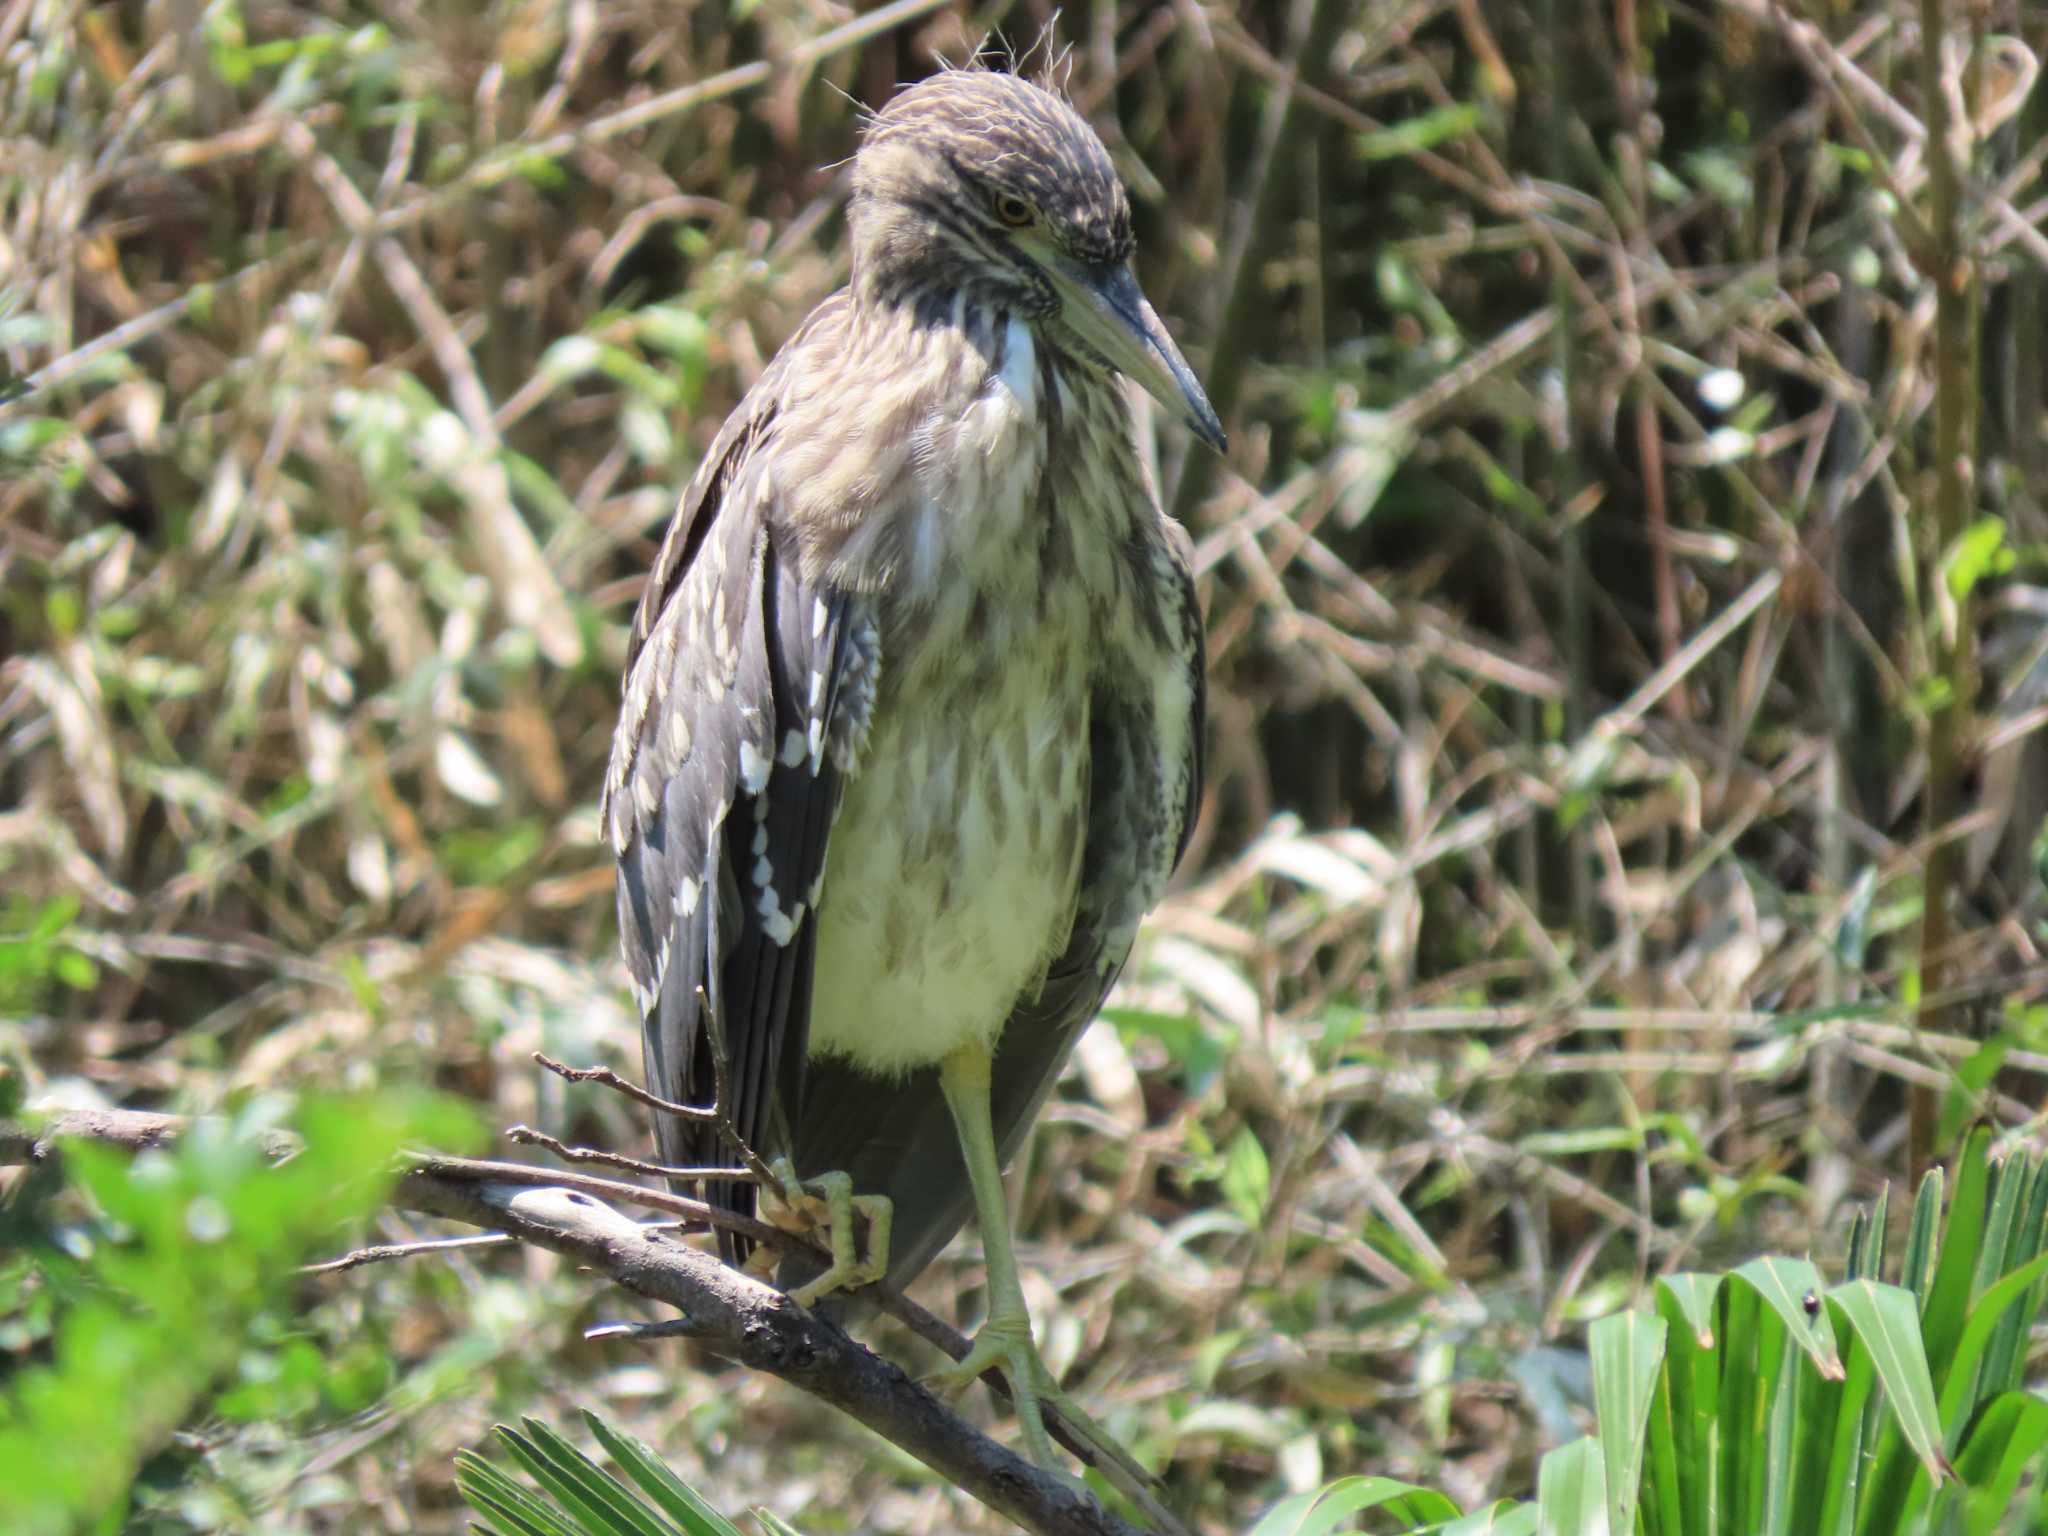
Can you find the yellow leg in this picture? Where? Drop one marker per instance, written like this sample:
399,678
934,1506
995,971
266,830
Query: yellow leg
1004,1341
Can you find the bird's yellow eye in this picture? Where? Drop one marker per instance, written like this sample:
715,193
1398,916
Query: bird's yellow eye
1013,210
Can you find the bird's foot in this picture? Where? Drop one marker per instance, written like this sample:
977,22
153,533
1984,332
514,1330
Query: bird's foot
802,1206
1005,1344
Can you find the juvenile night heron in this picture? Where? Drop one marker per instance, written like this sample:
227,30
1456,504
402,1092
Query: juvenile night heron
912,720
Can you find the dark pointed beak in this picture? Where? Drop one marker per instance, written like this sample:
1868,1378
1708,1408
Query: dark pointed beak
1105,305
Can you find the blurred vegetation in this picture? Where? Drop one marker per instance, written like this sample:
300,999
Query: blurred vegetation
170,1303
1624,846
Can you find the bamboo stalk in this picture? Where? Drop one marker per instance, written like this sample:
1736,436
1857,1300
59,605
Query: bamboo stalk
1952,651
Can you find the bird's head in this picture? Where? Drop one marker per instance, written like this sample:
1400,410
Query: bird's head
981,183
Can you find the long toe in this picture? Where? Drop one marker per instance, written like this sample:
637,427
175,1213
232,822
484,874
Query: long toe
828,1201
1009,1349
1032,1391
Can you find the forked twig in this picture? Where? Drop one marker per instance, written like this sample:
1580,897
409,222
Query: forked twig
755,1169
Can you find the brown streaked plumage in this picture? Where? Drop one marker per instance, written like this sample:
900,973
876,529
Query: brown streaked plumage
912,715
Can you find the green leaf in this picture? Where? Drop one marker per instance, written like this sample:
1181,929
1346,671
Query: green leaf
1853,931
678,1498
1721,175
2002,1445
2005,1356
26,436
1958,1396
1415,134
1503,1518
55,916
1320,1513
75,970
1947,1300
511,1508
1192,1045
1802,1448
1849,157
193,1252
1980,552
1609,1138
1961,1099
587,1500
1791,1288
1571,1491
597,1501
1628,1354
1866,1240
1745,1322
681,333
1847,1462
1247,1177
1687,1437
1916,1273
1687,1300
1887,1325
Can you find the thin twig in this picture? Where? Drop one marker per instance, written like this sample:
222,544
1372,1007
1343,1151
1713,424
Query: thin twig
527,1136
383,1253
605,1077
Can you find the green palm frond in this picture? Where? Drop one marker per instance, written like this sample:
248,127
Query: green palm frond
578,1497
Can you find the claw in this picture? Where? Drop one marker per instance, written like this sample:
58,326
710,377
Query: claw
1005,1344
803,1205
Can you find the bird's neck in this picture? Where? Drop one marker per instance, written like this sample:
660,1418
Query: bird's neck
947,450
902,296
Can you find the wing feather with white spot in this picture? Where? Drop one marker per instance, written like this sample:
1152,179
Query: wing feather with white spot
746,702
